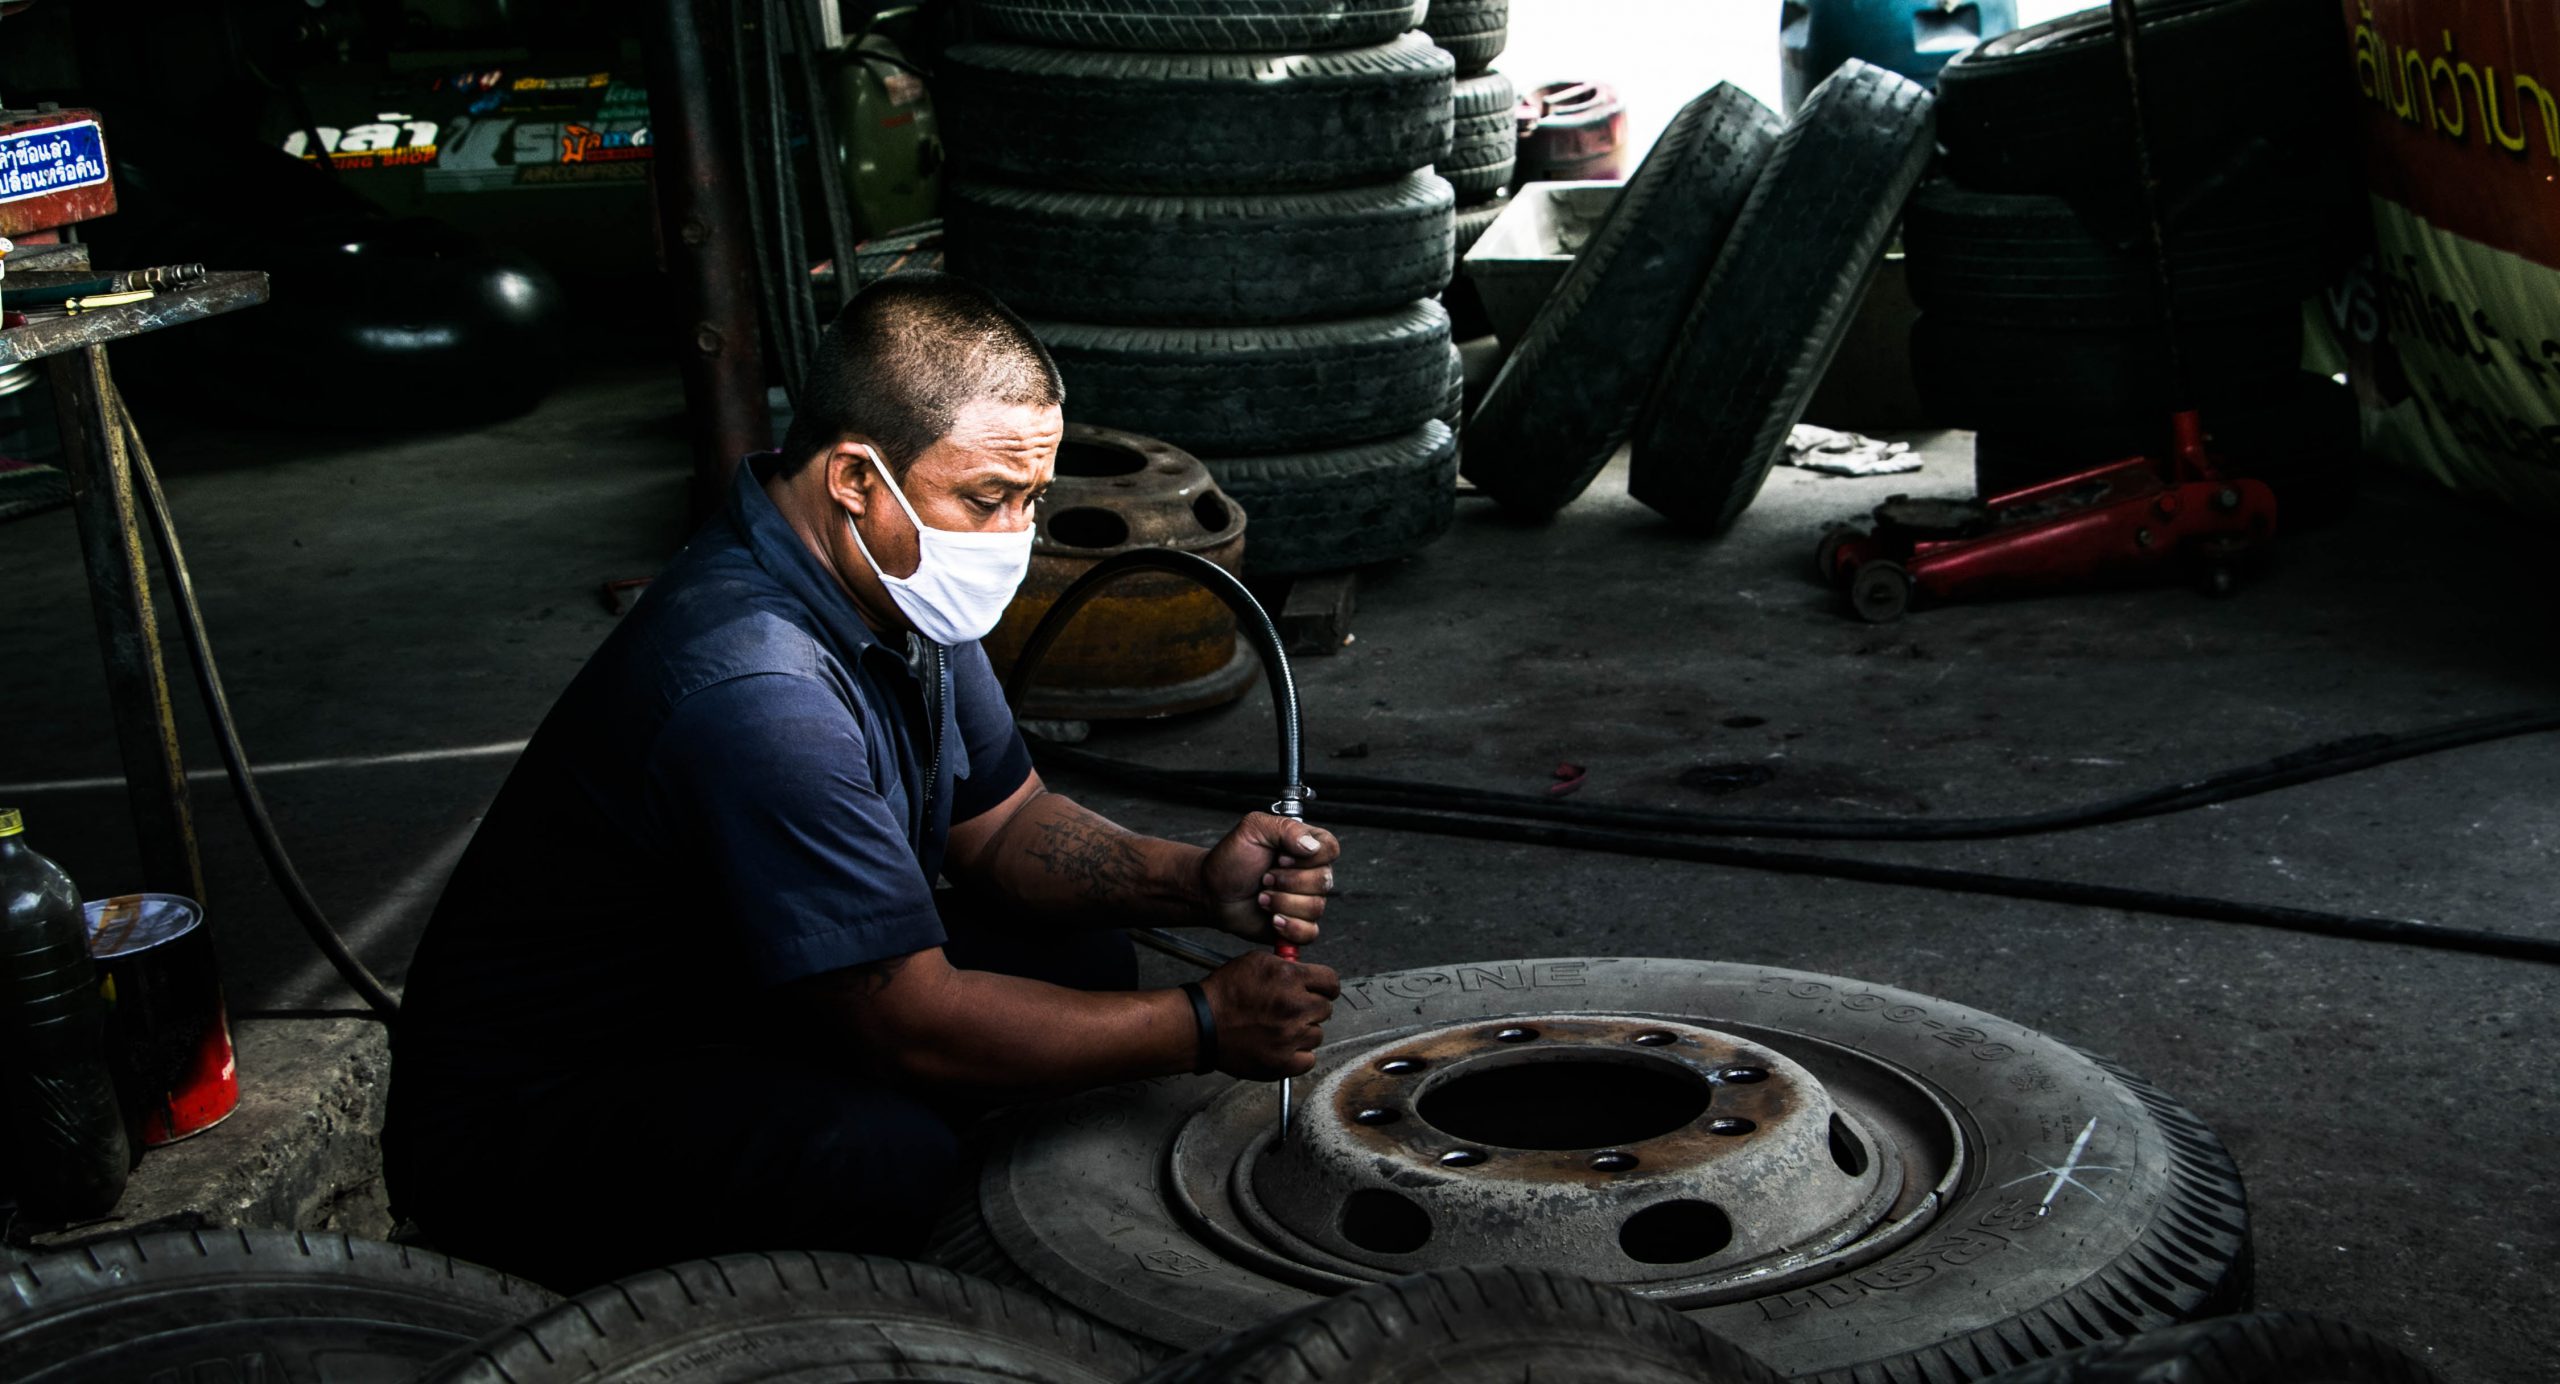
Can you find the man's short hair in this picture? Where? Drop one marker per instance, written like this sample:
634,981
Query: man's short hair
904,356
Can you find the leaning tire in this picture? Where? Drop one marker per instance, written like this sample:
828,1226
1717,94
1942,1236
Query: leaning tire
1571,392
1487,1323
1484,144
1780,297
2260,1348
842,1317
1110,1202
1984,378
1199,26
1229,391
1474,31
1196,122
1182,261
1344,507
2024,259
297,1307
2043,108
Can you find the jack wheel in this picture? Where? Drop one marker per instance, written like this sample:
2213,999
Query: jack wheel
1826,557
2215,566
1880,592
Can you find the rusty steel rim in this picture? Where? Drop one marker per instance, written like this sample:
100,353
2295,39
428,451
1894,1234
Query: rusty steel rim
1691,1164
1153,644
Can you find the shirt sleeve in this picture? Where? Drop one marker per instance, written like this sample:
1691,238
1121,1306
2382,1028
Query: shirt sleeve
767,777
998,760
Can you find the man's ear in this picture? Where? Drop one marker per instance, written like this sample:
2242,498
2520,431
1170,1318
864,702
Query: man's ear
849,465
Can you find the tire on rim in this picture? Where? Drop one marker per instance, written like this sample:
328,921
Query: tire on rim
1780,297
843,1317
1570,394
1205,122
1970,1235
300,1307
1231,391
1474,1324
1346,506
1199,26
1204,260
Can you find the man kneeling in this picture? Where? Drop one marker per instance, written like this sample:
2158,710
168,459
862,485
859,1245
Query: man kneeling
692,989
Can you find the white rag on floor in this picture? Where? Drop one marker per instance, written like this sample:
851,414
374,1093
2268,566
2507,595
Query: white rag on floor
1846,453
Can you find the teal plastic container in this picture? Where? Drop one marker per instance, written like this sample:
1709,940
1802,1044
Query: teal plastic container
1912,37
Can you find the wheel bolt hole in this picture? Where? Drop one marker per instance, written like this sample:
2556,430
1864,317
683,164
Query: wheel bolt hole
1461,1158
1385,1222
1743,1076
1728,1125
1376,1115
1675,1232
1612,1161
1655,1039
1402,1066
1515,1035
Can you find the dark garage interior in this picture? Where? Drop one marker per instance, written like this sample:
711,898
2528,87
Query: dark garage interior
646,646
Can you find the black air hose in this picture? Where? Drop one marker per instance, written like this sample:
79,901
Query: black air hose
1252,621
235,760
1489,816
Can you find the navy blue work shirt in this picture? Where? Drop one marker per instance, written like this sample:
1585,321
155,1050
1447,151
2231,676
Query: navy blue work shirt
744,787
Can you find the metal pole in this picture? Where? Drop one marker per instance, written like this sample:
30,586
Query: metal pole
703,227
2147,190
102,502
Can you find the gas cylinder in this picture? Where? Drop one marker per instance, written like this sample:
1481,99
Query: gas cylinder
62,1133
1912,37
886,136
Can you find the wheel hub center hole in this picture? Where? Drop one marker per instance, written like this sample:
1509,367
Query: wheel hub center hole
1565,1103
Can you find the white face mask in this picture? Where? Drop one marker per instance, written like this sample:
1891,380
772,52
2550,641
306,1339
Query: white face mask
962,581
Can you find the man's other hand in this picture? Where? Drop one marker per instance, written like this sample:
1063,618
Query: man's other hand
1269,878
1270,1014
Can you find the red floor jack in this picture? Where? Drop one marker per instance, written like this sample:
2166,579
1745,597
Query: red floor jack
2126,521
2133,520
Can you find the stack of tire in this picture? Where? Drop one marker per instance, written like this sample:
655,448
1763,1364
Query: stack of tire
1224,222
1484,140
2042,317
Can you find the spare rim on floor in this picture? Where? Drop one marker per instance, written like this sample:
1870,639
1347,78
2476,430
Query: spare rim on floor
1832,1174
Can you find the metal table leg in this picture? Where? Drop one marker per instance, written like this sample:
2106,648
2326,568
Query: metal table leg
101,472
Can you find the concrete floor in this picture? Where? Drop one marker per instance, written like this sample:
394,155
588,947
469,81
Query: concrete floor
2390,1107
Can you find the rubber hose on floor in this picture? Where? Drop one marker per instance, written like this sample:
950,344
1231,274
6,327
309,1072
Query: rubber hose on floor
235,760
1474,814
2310,765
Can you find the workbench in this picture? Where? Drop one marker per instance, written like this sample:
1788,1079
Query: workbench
72,351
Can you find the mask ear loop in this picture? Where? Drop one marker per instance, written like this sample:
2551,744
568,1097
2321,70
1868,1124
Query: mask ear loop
881,469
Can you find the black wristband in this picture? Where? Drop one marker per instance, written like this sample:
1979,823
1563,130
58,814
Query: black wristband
1207,1025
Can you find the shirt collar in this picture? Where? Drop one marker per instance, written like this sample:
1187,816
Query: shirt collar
779,551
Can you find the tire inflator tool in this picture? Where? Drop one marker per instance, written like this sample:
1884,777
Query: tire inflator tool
1252,622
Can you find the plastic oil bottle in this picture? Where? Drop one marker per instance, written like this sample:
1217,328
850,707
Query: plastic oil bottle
63,1153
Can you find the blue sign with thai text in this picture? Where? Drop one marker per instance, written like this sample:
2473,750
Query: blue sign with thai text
56,159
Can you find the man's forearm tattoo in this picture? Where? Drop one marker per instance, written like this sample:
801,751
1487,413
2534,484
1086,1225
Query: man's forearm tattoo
1100,861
